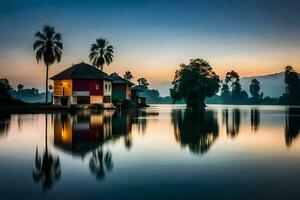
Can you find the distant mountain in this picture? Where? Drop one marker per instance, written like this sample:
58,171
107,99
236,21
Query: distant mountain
272,85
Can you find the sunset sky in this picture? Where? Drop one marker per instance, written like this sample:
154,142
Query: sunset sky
151,38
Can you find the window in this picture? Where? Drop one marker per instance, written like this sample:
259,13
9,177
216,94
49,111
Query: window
105,86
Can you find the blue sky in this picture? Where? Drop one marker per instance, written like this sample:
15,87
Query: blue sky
151,38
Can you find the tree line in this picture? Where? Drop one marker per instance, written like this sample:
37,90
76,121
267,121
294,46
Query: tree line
196,81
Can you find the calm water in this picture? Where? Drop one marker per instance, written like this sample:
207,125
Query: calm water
161,152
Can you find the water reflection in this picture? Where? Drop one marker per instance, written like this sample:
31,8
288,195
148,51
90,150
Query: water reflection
46,167
86,132
122,126
107,148
196,129
255,119
82,132
292,125
232,121
101,163
4,124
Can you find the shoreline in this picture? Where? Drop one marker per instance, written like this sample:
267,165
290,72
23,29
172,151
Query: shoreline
42,108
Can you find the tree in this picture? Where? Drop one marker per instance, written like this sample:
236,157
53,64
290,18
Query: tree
254,89
236,89
48,46
5,97
194,82
225,92
101,53
20,87
143,83
292,82
128,76
4,85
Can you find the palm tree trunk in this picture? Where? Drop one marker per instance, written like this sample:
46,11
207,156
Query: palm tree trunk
47,68
46,133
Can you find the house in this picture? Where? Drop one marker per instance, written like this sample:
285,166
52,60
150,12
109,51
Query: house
121,88
82,84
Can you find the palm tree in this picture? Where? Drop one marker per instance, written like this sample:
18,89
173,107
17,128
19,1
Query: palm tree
48,46
101,53
128,76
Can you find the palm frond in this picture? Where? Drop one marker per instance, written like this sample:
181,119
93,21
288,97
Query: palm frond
39,54
40,35
38,43
57,37
59,45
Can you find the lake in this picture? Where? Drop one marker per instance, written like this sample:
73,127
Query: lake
160,152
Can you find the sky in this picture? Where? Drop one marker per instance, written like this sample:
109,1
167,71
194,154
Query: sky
151,38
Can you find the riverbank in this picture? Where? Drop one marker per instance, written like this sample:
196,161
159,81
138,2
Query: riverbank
36,108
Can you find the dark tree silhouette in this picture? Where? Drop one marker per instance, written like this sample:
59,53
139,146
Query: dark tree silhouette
47,167
237,93
142,83
292,81
195,128
5,97
100,163
20,87
194,82
101,53
48,46
254,89
225,92
128,76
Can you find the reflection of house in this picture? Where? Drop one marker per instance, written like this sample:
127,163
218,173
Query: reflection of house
121,88
82,84
82,132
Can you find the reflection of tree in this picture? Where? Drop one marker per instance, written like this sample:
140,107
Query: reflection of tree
292,125
4,124
196,129
121,127
255,119
47,167
232,122
100,163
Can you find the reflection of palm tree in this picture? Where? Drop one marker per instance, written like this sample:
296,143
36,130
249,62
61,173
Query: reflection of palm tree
292,125
197,129
47,167
255,119
100,163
